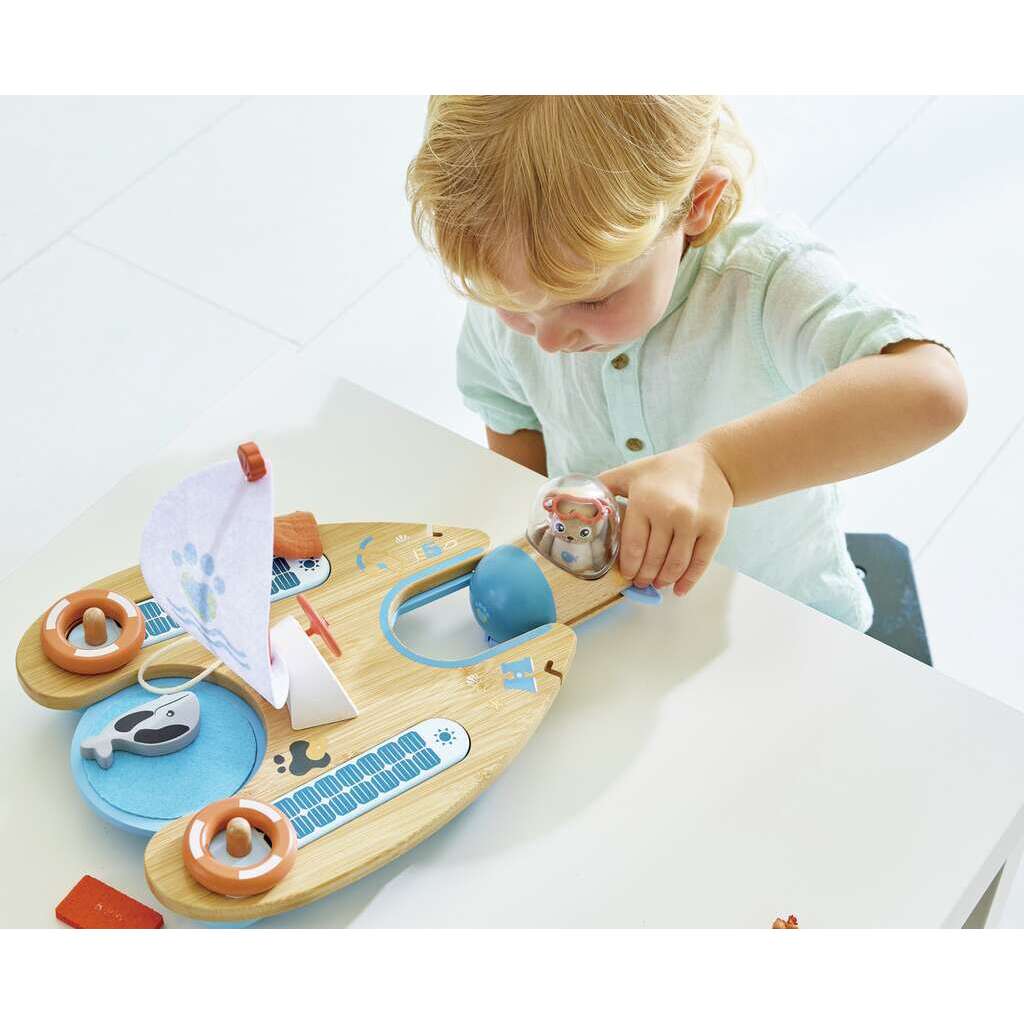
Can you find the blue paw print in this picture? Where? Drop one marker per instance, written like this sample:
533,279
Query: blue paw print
199,589
568,557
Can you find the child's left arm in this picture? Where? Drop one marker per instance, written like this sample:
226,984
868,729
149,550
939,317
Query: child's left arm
862,416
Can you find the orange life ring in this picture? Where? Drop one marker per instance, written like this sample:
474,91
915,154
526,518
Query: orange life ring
92,661
227,879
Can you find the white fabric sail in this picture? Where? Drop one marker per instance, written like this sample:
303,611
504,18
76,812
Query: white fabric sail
207,553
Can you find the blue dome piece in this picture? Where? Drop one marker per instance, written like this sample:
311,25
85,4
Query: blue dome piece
509,594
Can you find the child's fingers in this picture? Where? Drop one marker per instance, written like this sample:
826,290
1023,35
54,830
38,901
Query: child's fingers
636,528
616,480
657,547
676,560
703,552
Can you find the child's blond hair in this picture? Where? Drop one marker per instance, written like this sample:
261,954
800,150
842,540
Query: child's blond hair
570,185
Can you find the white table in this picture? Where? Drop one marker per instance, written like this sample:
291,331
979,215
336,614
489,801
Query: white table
715,761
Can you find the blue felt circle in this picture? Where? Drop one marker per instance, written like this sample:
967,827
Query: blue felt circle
142,794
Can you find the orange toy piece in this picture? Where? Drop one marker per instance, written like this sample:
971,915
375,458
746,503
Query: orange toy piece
239,837
319,626
251,460
92,661
790,922
94,627
227,879
297,535
94,904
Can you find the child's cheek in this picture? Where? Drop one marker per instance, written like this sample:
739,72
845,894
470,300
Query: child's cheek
518,323
620,326
642,314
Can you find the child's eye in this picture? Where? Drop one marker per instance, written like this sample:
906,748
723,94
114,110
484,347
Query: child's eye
592,305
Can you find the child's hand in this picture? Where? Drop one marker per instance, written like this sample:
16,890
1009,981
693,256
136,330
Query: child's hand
679,504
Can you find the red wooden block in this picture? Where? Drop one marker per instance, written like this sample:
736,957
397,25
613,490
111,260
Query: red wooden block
297,535
94,904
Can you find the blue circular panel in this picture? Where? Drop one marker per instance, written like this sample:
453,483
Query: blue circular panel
142,794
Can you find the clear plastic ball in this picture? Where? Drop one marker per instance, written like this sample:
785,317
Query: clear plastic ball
575,523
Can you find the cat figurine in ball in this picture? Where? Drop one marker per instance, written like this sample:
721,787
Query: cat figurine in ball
577,537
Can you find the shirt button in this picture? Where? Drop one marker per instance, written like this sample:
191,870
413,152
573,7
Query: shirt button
621,361
634,444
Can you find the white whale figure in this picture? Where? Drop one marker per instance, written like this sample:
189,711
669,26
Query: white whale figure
160,726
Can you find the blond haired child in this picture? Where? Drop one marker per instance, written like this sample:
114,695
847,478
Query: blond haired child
720,373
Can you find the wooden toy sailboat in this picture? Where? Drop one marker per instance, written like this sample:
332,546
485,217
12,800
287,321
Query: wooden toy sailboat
339,765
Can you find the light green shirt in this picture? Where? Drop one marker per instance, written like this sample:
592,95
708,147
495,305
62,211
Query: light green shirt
760,313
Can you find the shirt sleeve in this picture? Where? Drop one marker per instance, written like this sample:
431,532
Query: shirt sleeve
487,383
815,319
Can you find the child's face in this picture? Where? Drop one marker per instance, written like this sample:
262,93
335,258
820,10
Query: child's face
623,306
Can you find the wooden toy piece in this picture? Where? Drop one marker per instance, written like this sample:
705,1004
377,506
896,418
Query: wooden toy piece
70,610
495,700
251,460
226,879
94,904
94,626
297,535
158,727
239,837
51,686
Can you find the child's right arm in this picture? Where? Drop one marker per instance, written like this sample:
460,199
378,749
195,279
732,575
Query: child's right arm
524,446
490,389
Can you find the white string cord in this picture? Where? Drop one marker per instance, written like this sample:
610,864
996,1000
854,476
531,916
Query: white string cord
181,686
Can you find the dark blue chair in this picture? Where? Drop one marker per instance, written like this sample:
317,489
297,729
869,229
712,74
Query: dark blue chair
884,565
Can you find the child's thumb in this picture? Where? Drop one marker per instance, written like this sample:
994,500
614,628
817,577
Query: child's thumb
616,480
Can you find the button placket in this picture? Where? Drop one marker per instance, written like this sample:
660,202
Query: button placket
621,380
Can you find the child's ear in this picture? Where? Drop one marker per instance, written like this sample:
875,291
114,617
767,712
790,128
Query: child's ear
707,191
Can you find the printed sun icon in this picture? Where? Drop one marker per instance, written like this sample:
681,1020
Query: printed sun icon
445,737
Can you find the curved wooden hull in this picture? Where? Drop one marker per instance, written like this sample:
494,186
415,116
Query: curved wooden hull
375,567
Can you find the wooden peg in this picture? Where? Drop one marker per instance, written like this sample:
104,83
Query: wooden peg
94,627
239,837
